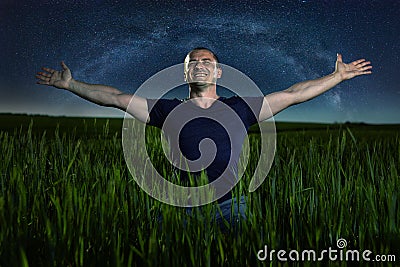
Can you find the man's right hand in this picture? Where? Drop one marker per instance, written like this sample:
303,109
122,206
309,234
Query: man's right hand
59,79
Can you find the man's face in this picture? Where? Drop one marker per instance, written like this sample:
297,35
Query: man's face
201,68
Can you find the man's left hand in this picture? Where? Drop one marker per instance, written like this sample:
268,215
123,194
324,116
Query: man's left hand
353,69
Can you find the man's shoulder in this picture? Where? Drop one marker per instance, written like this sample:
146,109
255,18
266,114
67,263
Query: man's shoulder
241,100
164,101
231,99
162,105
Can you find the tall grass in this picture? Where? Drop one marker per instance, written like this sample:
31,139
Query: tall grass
68,199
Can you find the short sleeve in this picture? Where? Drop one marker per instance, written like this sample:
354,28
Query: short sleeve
253,108
159,110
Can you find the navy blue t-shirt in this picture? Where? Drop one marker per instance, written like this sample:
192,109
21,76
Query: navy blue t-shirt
219,131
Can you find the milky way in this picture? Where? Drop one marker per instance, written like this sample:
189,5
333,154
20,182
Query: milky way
122,44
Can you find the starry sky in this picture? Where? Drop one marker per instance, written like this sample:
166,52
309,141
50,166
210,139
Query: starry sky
275,43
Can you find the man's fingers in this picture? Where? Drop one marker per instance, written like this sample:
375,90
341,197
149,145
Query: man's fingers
44,74
48,70
363,72
366,68
339,57
366,71
64,66
358,73
363,67
42,77
363,63
42,82
360,61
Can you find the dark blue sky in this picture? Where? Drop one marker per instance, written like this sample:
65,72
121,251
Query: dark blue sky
275,43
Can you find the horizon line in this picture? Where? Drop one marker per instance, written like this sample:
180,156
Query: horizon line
122,117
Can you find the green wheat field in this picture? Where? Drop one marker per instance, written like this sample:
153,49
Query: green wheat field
68,199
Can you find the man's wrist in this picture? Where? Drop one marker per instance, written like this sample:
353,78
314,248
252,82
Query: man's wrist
71,85
337,77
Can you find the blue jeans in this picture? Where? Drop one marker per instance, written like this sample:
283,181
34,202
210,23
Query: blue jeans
227,215
231,211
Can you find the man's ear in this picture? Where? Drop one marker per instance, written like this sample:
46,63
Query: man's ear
218,72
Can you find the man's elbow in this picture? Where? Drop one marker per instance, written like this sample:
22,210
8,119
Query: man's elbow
120,101
295,97
291,97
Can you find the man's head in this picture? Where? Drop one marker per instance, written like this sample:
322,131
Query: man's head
201,67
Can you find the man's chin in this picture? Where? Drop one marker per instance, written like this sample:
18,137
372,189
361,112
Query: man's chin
200,83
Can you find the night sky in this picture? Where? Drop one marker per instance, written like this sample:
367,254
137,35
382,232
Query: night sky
275,43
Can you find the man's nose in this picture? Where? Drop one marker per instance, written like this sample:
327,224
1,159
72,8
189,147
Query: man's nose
199,65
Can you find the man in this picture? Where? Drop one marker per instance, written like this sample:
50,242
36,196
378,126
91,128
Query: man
201,71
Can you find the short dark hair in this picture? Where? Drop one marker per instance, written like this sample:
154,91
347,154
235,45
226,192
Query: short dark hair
205,48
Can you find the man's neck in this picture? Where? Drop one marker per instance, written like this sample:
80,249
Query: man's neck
203,97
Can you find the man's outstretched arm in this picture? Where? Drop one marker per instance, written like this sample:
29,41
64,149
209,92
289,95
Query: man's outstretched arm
304,91
97,93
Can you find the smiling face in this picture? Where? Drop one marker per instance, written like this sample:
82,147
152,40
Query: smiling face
201,68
